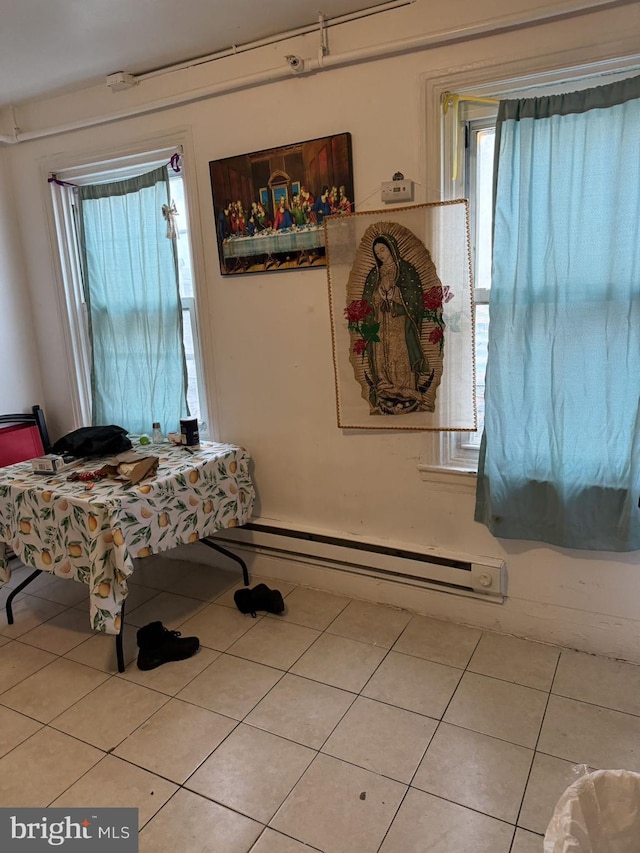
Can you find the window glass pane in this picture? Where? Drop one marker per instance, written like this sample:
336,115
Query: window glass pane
185,279
483,202
182,243
482,337
190,357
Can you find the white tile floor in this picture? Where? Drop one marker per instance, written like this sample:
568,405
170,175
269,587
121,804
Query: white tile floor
340,727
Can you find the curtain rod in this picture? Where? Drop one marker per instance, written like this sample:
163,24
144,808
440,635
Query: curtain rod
450,99
174,162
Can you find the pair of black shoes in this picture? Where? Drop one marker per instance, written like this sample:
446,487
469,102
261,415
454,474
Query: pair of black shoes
158,645
259,598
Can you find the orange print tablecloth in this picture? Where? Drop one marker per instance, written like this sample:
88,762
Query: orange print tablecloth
95,535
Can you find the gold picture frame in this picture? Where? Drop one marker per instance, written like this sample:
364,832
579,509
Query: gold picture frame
401,306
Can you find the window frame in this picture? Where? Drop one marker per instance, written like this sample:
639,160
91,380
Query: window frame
115,165
446,464
190,306
475,119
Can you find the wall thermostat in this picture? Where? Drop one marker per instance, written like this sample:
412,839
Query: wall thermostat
396,190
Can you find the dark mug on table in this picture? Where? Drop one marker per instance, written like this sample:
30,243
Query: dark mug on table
189,431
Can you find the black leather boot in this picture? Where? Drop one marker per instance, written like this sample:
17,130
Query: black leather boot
158,645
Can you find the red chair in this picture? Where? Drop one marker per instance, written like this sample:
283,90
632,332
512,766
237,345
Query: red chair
24,437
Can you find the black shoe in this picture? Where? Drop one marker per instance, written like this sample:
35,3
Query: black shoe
259,598
159,645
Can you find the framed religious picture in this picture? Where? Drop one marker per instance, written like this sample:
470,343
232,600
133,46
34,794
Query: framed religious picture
401,303
270,206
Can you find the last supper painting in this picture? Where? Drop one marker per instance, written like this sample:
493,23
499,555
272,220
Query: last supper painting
270,205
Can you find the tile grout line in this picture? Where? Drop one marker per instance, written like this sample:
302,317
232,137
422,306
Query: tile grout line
535,749
169,696
410,785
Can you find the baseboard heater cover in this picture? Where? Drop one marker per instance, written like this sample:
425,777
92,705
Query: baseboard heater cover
479,577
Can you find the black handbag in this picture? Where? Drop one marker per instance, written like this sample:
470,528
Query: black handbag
93,441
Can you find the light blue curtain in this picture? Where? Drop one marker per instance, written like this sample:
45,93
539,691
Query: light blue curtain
135,317
560,455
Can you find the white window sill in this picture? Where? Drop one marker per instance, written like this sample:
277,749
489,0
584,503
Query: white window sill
460,480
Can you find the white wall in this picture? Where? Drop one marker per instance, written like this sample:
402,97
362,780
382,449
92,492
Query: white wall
267,337
20,386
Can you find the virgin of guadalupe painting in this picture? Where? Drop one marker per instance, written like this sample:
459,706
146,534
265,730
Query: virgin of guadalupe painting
394,314
400,296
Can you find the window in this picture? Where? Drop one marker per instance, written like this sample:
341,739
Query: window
565,323
78,339
463,168
468,173
478,175
195,392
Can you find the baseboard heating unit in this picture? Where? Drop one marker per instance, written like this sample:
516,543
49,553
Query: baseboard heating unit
411,565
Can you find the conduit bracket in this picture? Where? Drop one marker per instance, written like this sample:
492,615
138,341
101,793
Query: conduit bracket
323,50
121,80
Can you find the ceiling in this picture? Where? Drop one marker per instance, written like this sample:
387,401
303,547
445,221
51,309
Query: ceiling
48,46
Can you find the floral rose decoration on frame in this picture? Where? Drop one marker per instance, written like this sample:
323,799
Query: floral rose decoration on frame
359,314
432,302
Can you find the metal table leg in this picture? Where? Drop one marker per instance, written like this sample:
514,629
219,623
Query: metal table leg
119,635
245,572
18,589
33,576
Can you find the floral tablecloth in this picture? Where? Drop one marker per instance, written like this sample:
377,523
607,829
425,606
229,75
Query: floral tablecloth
94,535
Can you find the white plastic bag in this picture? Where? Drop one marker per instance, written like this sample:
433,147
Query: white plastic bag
599,813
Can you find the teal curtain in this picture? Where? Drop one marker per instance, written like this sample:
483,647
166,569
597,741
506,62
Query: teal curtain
560,455
135,317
